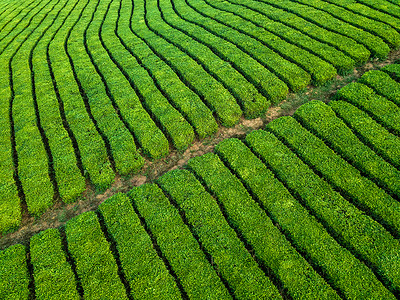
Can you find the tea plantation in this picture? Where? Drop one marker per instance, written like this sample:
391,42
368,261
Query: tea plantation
307,208
92,88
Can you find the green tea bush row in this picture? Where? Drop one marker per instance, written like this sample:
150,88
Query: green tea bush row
101,34
91,147
10,210
265,84
150,138
14,276
339,266
270,247
17,23
181,94
214,32
320,70
379,29
384,6
224,61
53,276
369,131
251,22
320,119
393,70
360,234
340,174
381,109
231,259
347,45
120,142
198,278
95,265
368,12
383,84
373,43
145,272
70,181
221,102
33,163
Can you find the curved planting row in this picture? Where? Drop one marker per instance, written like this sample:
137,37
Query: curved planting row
92,88
307,208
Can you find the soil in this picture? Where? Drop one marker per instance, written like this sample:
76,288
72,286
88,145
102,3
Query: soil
60,213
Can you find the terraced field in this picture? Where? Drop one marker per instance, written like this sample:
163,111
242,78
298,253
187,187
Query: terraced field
93,88
307,208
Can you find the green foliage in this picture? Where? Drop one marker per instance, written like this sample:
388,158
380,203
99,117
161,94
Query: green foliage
270,246
180,248
146,273
383,85
379,29
326,20
320,119
340,174
184,98
95,265
339,266
53,275
92,148
369,131
229,255
14,277
393,70
379,108
366,238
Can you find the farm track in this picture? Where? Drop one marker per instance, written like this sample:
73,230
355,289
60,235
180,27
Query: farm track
94,90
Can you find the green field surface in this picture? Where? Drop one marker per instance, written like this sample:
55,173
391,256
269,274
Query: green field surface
305,208
92,89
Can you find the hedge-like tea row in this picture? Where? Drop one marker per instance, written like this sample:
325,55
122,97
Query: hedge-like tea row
198,278
384,6
320,119
222,103
95,265
382,84
119,140
150,138
182,94
269,245
368,12
268,86
373,43
54,278
381,109
70,181
369,131
350,226
33,164
237,31
379,29
145,272
393,70
91,146
347,45
251,22
14,276
340,174
229,255
338,265
320,70
178,130
223,61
